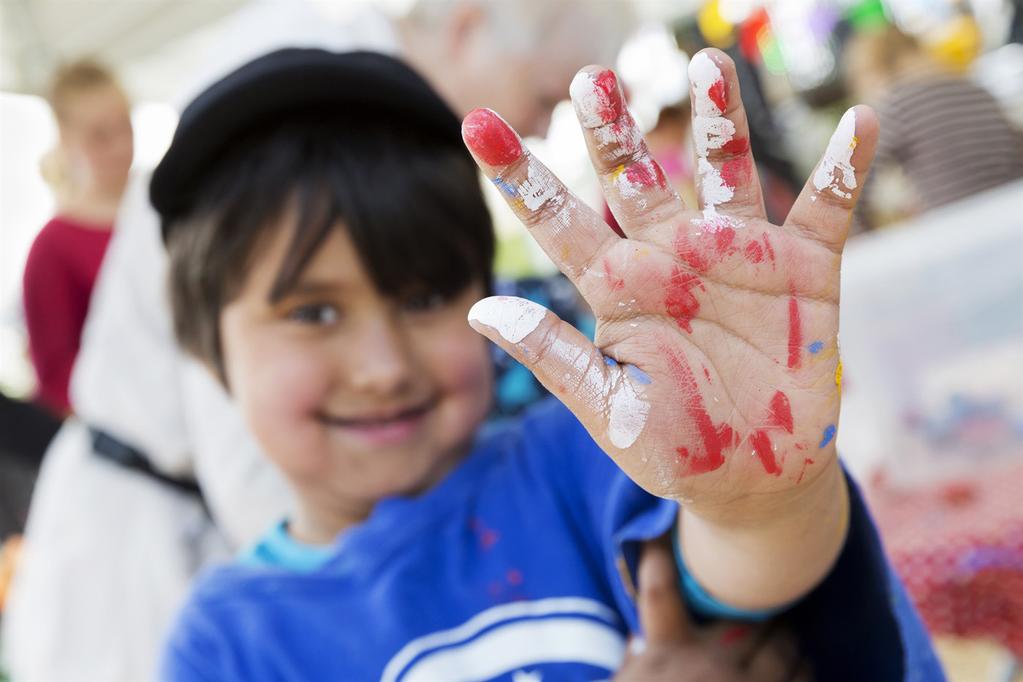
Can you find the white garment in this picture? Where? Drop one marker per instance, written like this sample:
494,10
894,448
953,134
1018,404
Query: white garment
109,553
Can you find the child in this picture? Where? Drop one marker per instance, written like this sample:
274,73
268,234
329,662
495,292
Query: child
327,239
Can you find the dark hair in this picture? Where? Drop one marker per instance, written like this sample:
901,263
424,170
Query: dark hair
411,203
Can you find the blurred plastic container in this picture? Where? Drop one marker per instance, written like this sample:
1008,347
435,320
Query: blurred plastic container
932,342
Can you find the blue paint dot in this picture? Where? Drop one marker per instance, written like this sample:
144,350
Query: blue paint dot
638,374
829,433
506,187
610,361
816,347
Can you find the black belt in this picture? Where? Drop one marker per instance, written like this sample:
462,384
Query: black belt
127,457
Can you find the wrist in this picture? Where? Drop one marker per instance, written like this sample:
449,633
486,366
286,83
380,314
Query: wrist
771,555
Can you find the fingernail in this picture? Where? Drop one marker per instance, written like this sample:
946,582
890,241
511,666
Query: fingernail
491,138
596,97
710,92
513,318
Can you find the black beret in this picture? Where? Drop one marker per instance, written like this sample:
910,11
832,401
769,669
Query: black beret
282,83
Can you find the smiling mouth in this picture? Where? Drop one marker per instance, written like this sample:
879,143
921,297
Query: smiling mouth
390,428
384,419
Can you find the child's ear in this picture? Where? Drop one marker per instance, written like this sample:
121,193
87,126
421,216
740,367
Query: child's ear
465,21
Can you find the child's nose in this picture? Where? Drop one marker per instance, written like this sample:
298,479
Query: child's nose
380,361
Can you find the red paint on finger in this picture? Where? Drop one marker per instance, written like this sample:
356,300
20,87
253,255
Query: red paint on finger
781,411
614,283
490,138
739,145
795,334
718,93
646,174
737,171
734,634
608,96
765,452
714,439
681,302
706,373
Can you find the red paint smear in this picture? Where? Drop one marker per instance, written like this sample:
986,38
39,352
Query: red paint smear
739,145
802,471
734,634
489,538
646,175
514,576
680,302
490,138
754,252
762,446
736,172
608,96
800,446
767,247
615,283
795,334
715,438
718,94
723,239
706,373
781,411
691,254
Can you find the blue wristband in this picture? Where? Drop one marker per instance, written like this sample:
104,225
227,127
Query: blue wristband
705,605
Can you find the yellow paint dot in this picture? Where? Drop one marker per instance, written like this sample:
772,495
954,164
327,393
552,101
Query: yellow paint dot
838,375
617,171
854,142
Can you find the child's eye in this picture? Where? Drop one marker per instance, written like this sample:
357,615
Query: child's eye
318,314
424,303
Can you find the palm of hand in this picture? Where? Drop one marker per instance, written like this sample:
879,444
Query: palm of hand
715,371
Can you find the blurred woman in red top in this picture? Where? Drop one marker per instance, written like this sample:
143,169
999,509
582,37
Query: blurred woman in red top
88,171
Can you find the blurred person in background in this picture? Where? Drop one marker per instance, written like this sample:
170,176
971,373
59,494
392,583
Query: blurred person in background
88,172
946,135
158,476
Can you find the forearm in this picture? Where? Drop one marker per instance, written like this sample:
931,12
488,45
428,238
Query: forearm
771,558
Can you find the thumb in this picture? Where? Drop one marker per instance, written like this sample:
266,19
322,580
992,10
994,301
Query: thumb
662,614
607,398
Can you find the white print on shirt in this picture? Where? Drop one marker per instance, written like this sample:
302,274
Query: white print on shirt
514,637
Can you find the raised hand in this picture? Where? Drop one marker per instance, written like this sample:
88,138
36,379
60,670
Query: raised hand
714,376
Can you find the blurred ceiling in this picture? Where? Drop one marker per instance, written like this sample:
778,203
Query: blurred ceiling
37,35
154,45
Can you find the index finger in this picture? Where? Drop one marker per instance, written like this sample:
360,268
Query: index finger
569,231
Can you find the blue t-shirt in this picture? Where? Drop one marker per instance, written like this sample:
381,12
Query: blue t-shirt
515,567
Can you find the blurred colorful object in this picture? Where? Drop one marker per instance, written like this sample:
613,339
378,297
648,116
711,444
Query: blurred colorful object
758,44
10,550
866,15
956,43
959,548
716,29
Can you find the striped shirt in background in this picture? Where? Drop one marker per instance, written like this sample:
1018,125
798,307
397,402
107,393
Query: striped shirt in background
949,137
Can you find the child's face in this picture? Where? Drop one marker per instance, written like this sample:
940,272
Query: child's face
354,396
